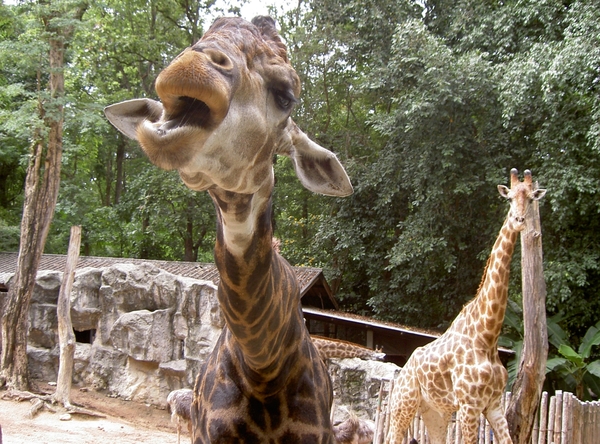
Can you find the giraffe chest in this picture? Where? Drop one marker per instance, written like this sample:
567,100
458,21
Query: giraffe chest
226,411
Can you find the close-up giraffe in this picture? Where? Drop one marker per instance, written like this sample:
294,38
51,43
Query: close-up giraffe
224,112
461,370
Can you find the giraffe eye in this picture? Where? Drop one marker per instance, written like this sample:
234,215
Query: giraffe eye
284,100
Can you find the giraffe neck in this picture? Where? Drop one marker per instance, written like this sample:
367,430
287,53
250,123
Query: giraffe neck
485,314
258,293
336,348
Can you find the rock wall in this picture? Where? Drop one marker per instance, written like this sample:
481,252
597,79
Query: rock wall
357,385
143,332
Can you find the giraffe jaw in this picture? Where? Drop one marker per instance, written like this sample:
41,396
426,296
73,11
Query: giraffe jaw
173,143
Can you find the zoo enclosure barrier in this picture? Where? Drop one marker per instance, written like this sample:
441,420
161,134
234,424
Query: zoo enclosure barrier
560,419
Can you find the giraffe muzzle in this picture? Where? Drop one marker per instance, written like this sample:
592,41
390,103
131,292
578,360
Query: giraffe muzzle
194,90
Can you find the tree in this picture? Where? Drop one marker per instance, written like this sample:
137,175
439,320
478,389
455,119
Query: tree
413,232
41,192
120,51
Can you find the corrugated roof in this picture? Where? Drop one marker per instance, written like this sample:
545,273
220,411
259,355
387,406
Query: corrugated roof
369,322
203,271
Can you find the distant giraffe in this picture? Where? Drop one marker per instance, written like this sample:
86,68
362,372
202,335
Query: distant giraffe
354,431
180,403
337,348
224,113
461,369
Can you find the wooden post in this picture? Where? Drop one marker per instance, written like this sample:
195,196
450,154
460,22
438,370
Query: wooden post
527,389
551,410
543,414
66,336
558,412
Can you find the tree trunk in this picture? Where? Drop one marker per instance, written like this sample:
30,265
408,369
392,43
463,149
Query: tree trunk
527,389
41,192
120,179
66,337
188,241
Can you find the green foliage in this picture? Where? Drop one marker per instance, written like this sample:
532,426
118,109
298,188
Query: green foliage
576,371
9,237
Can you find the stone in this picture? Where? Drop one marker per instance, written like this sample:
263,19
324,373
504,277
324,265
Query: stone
356,385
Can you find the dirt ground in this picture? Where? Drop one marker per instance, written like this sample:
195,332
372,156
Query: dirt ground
126,422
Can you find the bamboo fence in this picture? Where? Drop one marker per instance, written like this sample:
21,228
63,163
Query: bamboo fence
560,419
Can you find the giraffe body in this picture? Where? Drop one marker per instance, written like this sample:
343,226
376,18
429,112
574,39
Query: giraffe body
224,114
461,370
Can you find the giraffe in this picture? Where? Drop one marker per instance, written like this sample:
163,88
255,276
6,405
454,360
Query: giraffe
180,402
354,431
337,348
461,371
224,114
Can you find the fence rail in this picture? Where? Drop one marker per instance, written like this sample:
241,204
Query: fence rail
560,419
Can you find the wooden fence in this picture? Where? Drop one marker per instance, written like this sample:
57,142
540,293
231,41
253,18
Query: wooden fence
561,419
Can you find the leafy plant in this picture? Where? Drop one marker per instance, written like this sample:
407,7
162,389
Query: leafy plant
576,369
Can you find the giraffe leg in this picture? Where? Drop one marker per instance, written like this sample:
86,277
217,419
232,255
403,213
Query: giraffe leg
499,425
436,423
469,423
405,399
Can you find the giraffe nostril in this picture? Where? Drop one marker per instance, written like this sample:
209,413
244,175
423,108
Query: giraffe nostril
219,58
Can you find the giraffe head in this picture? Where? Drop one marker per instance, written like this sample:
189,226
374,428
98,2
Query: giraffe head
224,112
520,195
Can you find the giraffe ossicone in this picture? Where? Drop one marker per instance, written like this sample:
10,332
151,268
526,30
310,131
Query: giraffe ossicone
461,370
224,112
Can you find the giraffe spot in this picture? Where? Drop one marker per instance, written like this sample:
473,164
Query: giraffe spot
495,276
223,397
257,413
243,432
292,438
220,430
274,411
304,411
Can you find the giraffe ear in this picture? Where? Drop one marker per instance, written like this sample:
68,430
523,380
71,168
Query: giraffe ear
503,190
126,116
318,169
539,193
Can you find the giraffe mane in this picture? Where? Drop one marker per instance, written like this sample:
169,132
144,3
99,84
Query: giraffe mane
487,265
